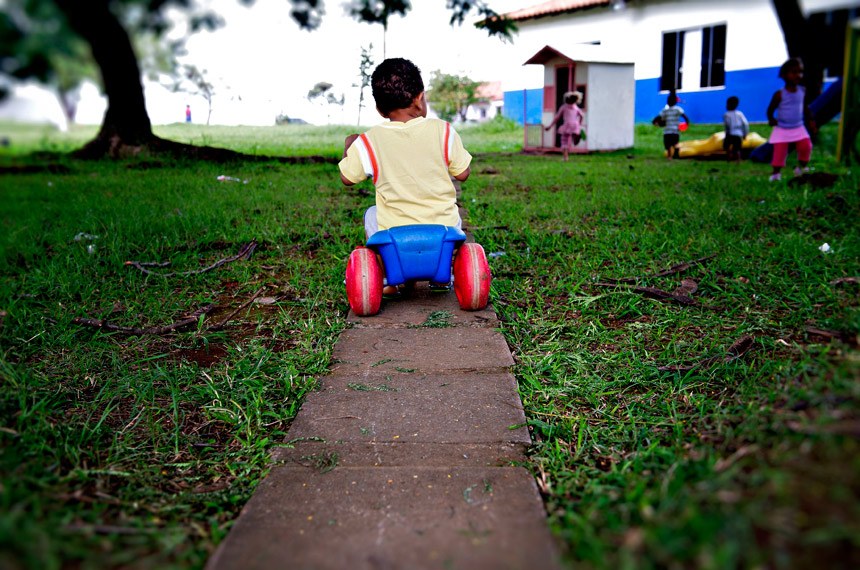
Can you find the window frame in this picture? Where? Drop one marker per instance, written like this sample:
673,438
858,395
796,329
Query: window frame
712,72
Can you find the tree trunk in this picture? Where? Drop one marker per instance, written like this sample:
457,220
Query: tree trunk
69,104
800,41
126,122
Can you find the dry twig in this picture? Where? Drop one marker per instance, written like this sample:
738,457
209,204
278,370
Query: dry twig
666,272
735,351
678,297
103,324
226,319
245,252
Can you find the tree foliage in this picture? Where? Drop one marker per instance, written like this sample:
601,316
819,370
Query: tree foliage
36,43
379,12
106,27
451,95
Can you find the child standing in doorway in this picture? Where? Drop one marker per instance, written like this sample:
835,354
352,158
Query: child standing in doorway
571,116
787,114
669,118
737,128
410,158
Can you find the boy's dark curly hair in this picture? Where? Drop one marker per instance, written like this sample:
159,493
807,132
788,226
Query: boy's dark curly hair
395,83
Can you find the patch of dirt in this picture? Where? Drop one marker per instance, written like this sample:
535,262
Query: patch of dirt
204,357
814,179
819,494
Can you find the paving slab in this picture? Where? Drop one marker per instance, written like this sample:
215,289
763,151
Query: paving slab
417,305
392,518
422,349
418,408
399,454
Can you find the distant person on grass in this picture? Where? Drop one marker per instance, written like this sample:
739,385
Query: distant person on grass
670,118
787,113
571,116
737,128
410,158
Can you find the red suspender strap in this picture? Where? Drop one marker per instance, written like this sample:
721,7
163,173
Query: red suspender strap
373,164
445,148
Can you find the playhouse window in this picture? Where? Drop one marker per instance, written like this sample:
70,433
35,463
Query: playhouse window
697,53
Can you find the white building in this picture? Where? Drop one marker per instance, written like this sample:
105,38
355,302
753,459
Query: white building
705,49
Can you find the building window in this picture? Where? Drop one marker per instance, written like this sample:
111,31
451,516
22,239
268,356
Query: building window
713,56
694,58
673,55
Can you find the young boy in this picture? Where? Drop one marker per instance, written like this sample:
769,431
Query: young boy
410,158
669,118
737,128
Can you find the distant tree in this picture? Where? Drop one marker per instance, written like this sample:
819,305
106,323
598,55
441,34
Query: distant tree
451,95
322,92
365,71
193,80
105,26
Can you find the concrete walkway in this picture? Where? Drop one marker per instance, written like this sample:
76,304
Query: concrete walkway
403,459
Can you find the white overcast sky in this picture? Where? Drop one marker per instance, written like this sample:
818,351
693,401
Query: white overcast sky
262,64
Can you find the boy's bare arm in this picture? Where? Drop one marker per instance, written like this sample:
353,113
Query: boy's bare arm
346,144
464,175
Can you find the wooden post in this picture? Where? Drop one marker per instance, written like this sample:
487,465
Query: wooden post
848,145
525,122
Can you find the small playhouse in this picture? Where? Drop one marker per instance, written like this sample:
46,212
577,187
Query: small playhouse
608,89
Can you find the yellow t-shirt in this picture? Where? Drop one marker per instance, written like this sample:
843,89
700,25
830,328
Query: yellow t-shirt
411,165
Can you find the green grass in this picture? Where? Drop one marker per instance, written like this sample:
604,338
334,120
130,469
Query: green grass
655,445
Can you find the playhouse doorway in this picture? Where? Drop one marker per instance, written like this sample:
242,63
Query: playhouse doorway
565,81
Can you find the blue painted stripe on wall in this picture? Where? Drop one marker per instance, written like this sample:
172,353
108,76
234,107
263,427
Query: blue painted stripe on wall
513,105
754,88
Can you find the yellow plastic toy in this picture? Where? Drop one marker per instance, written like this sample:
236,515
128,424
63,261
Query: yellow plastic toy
713,145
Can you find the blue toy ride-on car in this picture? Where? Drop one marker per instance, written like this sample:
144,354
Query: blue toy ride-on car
421,252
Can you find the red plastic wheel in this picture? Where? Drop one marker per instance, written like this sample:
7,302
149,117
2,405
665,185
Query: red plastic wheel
363,282
472,277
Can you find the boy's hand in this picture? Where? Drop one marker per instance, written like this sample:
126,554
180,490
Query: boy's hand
348,143
464,175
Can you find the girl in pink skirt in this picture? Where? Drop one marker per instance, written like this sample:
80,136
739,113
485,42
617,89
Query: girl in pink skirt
787,114
571,116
